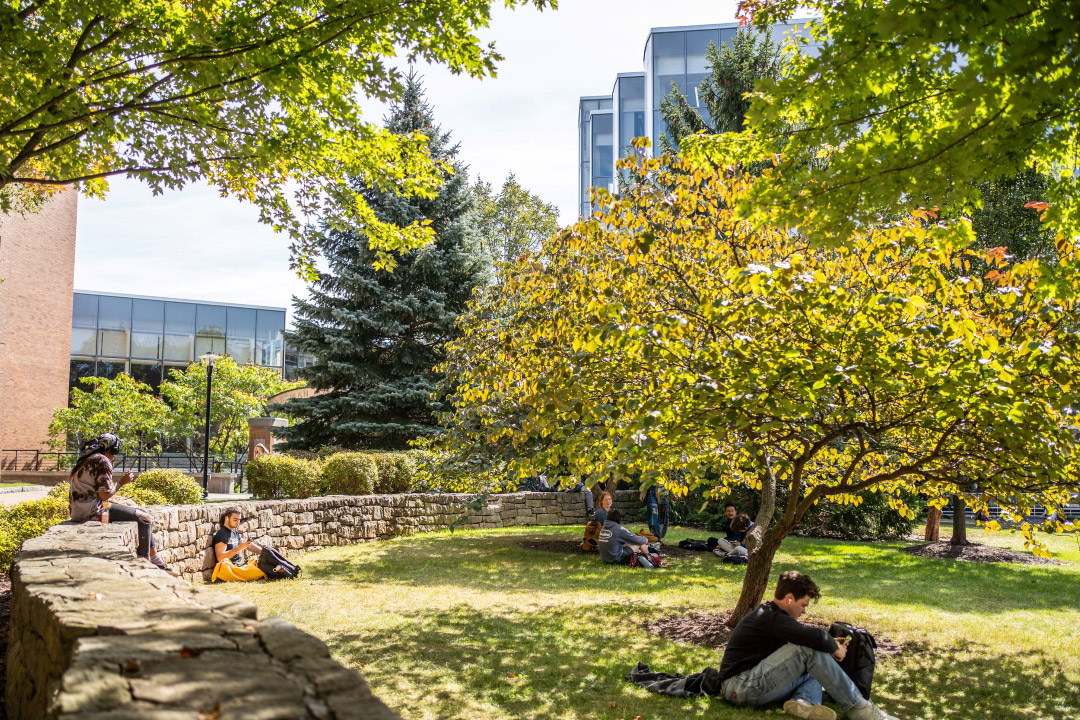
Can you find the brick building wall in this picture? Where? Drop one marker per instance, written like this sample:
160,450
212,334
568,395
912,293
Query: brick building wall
37,265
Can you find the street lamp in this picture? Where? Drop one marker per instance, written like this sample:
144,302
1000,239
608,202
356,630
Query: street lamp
209,358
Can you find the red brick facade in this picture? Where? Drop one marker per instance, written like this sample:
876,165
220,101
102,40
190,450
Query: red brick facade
37,267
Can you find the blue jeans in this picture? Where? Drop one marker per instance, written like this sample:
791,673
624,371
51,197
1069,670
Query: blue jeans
793,672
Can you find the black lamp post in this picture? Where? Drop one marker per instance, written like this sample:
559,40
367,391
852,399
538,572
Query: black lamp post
209,358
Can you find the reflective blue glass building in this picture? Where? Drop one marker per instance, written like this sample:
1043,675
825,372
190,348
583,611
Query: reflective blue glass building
672,55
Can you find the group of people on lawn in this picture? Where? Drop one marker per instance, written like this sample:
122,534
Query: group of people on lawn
770,657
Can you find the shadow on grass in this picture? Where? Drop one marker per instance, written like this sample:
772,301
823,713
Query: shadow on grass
459,663
845,570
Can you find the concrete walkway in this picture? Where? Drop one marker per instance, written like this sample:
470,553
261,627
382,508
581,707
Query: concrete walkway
16,495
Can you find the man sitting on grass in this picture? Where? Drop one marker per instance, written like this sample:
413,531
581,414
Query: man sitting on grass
618,545
772,657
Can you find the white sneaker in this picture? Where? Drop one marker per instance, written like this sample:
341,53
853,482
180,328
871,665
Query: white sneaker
870,711
803,709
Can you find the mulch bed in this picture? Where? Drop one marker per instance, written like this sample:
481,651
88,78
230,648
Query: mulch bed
709,630
975,552
573,547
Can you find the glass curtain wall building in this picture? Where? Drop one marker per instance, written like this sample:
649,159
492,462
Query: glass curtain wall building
146,337
673,55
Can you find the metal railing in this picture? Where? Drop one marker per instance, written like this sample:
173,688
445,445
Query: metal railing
37,460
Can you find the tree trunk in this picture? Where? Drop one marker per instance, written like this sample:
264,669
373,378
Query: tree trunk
959,521
765,510
933,524
756,581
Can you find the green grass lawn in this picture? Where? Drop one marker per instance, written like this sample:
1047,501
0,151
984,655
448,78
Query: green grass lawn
470,625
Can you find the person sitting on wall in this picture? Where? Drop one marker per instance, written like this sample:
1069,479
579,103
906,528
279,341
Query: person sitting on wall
618,546
656,512
229,551
736,528
772,657
91,484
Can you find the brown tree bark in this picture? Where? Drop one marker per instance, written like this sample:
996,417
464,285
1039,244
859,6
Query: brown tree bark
756,581
959,521
933,524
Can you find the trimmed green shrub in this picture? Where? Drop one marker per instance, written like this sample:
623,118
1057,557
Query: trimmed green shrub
281,476
143,495
21,522
425,478
349,473
396,472
173,486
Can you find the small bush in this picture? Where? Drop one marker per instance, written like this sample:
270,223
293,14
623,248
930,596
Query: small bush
396,472
21,522
143,495
170,485
281,476
349,473
425,476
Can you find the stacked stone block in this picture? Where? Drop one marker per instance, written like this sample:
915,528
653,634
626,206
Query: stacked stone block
97,634
183,532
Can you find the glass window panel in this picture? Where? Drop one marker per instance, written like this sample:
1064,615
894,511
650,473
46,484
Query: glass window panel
727,35
148,316
84,310
210,321
205,345
270,340
114,313
80,369
669,64
180,318
603,161
241,349
111,368
149,373
146,345
241,322
697,42
632,111
113,342
179,347
83,341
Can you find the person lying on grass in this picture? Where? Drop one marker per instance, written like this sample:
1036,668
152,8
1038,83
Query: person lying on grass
772,657
618,546
229,551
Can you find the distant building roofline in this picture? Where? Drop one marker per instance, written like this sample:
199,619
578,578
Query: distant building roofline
182,300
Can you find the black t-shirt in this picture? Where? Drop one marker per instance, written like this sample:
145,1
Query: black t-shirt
763,632
231,538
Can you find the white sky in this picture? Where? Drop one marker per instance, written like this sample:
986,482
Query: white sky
194,244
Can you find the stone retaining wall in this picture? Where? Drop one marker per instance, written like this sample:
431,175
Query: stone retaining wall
97,634
183,532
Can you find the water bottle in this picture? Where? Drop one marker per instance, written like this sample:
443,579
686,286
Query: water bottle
104,513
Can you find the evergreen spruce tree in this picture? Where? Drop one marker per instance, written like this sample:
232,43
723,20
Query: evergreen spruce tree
377,335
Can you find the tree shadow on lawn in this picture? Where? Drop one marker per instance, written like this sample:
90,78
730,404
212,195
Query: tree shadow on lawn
844,570
458,663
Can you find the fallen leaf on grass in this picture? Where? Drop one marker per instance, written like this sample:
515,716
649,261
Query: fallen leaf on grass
212,714
612,704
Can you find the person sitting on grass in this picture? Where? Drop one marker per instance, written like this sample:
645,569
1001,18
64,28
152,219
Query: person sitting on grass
772,657
735,542
229,551
603,507
618,545
91,485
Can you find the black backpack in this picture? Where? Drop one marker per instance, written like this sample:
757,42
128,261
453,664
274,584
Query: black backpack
860,660
275,566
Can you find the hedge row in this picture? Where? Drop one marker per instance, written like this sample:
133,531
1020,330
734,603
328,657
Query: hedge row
344,473
19,523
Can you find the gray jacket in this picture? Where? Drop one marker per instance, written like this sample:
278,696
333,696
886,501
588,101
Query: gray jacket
613,541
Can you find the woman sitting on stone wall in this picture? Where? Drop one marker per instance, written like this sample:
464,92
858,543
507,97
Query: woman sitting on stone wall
91,485
229,551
